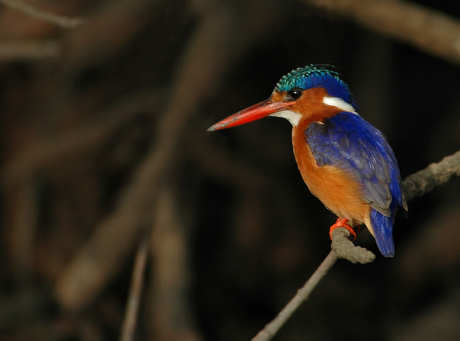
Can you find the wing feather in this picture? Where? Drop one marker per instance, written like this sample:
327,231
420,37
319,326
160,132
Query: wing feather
349,142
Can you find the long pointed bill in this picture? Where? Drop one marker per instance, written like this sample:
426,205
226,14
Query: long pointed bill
254,112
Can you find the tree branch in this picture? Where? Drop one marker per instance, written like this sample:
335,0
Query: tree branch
32,11
214,44
169,312
424,28
344,248
137,280
436,174
77,140
29,50
272,328
415,185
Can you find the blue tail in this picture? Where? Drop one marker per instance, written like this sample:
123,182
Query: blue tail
383,232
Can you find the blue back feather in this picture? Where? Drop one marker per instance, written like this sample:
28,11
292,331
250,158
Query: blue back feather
352,144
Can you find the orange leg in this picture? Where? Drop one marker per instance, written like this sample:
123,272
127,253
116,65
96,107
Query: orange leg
342,222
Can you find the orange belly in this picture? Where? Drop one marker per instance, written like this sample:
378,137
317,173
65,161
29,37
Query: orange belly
336,189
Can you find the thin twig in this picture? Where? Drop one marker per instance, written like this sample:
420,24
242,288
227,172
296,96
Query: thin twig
32,11
272,328
137,281
416,184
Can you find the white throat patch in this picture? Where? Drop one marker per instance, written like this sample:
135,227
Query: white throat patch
289,115
339,103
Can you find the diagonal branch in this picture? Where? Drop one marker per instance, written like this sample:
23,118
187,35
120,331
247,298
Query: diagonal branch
214,44
77,140
32,11
415,185
137,281
427,29
272,328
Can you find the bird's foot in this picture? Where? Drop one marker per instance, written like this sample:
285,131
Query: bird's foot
342,222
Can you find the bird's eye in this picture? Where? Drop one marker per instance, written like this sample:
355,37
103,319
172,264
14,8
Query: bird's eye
294,94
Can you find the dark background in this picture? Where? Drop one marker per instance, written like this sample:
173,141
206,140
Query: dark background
103,146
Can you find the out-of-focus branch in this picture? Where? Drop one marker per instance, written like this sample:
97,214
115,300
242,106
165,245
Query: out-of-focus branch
107,31
424,28
32,11
231,170
20,215
77,140
137,281
29,50
214,44
171,317
414,185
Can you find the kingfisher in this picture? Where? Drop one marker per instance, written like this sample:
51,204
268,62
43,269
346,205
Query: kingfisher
344,160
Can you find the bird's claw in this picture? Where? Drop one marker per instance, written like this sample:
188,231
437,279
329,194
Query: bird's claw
342,222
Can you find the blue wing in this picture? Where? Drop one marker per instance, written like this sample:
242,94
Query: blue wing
350,143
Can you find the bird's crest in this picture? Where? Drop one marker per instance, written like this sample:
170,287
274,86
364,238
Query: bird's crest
316,75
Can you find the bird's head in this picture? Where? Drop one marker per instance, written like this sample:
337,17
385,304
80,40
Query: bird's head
312,92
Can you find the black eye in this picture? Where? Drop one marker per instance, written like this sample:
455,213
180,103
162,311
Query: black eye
293,94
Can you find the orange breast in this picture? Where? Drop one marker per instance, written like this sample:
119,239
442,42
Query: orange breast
336,189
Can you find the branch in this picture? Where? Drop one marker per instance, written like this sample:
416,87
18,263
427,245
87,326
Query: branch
169,312
344,248
416,184
137,280
272,328
231,170
214,44
32,11
436,174
77,140
427,29
28,50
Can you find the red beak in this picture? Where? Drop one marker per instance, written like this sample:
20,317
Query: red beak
254,112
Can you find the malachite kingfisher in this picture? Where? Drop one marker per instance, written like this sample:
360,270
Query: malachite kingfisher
343,159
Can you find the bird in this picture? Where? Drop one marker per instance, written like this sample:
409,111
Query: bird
344,160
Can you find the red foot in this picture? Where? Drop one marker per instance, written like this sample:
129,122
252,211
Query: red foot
342,222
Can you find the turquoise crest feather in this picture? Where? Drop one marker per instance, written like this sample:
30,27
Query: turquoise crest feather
316,75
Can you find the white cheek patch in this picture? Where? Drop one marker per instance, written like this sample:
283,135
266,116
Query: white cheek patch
289,115
339,103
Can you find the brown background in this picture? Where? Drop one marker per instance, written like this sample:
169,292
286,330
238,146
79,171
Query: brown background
103,145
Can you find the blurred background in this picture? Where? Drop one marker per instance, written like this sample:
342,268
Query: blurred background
105,156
